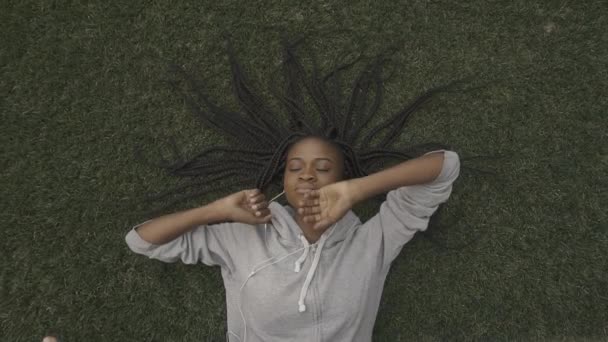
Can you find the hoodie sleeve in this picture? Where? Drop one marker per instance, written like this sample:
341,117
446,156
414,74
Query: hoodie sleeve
408,209
207,244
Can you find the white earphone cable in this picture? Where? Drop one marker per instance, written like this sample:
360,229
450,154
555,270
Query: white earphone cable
252,273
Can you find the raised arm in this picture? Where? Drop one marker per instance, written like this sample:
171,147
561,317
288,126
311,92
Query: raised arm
192,235
421,170
247,206
327,205
166,228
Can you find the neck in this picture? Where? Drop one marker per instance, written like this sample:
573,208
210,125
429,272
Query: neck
307,229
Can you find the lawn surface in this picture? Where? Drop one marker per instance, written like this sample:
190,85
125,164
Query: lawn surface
521,255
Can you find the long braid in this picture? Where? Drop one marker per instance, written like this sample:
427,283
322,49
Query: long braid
260,138
270,172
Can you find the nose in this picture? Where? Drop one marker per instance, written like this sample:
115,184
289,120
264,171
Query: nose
307,175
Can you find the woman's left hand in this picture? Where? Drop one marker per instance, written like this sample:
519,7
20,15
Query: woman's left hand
327,205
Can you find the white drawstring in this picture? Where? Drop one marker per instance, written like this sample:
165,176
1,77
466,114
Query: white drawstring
298,266
311,273
299,262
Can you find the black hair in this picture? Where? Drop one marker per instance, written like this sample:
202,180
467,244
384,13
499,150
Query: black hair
314,105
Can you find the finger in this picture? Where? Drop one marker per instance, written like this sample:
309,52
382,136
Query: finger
311,194
309,210
323,224
265,219
255,198
312,218
252,192
260,206
262,213
309,202
309,219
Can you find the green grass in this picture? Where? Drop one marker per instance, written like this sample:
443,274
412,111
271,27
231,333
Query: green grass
81,84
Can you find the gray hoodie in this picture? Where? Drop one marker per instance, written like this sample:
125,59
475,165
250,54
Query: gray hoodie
281,288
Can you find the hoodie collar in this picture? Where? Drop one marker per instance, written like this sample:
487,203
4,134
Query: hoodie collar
283,220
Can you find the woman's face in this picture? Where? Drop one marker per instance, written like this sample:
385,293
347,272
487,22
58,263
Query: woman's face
311,164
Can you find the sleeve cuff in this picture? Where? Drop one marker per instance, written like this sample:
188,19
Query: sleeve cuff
451,166
135,242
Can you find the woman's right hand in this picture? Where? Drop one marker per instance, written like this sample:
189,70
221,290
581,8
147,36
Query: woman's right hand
247,206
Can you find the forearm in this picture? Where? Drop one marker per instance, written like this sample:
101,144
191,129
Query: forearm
166,228
420,170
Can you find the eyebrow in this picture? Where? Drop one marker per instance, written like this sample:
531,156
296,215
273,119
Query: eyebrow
298,158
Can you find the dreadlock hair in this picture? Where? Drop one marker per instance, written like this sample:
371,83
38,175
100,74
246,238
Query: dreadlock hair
260,138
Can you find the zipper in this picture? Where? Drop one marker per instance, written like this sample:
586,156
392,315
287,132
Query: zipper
315,299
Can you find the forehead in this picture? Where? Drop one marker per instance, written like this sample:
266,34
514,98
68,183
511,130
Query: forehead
313,147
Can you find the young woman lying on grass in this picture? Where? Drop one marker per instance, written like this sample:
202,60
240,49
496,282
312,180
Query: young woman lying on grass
309,269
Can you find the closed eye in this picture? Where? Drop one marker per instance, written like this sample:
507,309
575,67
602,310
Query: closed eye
320,170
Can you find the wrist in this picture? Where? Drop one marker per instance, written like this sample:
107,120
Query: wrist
215,212
356,190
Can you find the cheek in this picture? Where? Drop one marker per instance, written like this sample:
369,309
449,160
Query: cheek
286,179
288,184
328,178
